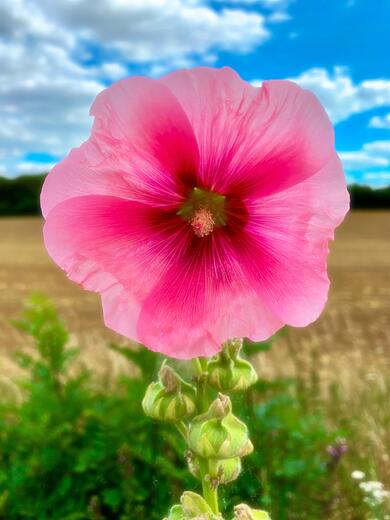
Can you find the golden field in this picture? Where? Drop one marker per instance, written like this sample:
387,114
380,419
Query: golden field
355,321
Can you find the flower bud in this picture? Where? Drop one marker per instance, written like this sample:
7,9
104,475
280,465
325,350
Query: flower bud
244,512
218,434
227,470
193,507
176,513
228,372
171,398
220,471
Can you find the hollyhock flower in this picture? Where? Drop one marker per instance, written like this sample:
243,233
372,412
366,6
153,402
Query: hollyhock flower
200,209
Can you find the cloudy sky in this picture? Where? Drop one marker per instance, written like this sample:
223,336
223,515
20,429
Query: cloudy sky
56,55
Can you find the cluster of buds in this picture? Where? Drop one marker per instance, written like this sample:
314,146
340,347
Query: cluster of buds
219,438
228,372
216,439
170,398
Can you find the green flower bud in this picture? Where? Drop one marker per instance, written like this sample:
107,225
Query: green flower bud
218,434
220,471
244,512
176,513
171,398
226,470
228,372
233,347
193,507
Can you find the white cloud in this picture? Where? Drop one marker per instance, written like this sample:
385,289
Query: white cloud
44,99
360,160
278,17
45,94
340,95
154,30
380,147
375,154
384,176
369,165
30,167
379,179
380,122
269,4
277,8
112,71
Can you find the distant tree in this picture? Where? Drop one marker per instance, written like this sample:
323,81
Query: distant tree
20,196
364,197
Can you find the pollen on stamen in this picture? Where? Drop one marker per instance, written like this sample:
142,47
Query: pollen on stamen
202,222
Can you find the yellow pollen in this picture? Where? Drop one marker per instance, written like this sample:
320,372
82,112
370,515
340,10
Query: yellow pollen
202,222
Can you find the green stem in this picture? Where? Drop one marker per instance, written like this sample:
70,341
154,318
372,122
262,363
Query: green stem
201,383
210,492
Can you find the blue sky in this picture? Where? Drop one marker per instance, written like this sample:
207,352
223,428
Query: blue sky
56,56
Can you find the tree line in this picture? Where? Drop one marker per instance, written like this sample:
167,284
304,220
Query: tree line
20,196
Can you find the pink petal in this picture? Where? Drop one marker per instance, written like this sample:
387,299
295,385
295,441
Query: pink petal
140,116
202,301
285,245
117,247
133,151
84,171
252,140
101,241
160,284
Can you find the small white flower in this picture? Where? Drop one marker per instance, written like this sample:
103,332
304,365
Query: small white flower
371,486
379,495
358,475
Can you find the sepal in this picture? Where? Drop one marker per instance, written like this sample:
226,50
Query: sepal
228,372
218,434
170,398
220,471
192,507
176,513
244,512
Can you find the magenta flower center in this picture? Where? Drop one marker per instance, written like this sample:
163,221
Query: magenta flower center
204,210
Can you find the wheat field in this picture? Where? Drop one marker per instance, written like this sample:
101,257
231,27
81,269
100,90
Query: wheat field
354,328
355,321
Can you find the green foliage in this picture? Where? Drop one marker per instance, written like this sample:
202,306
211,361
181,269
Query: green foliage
70,450
364,197
289,466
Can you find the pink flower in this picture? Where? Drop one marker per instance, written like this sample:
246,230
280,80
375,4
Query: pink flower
200,209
